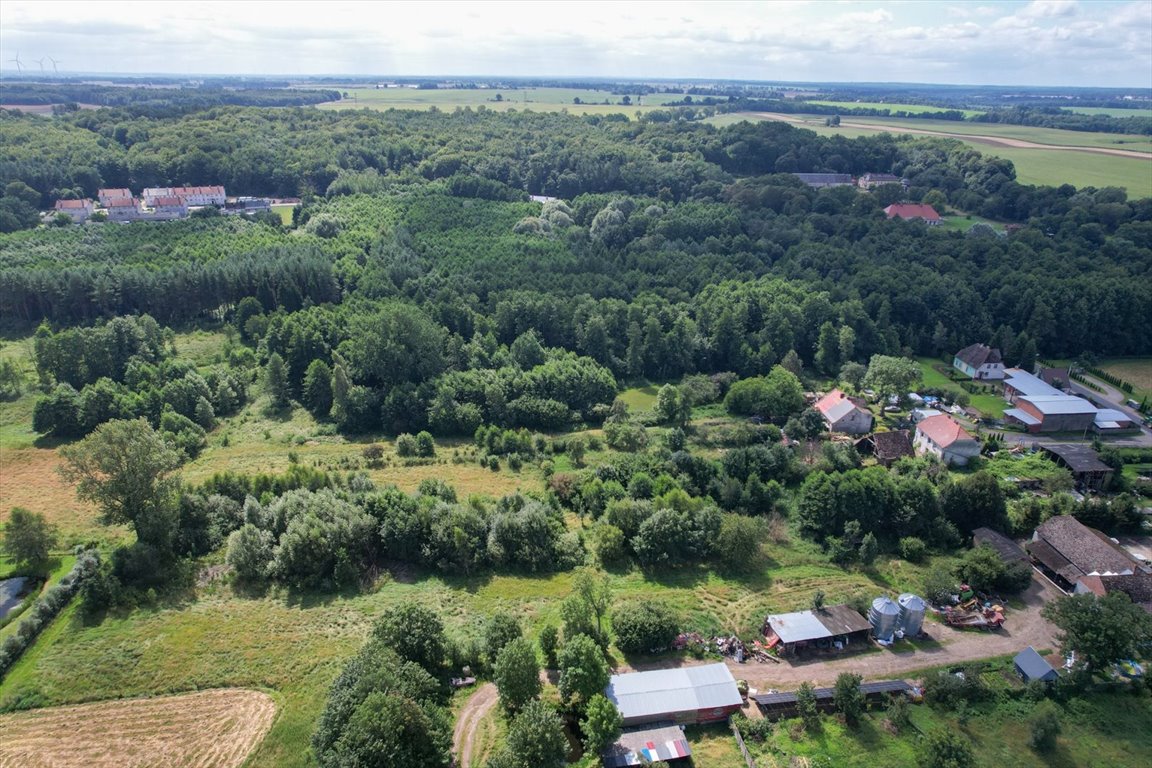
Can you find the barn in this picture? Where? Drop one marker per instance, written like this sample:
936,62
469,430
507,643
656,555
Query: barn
685,695
831,627
777,705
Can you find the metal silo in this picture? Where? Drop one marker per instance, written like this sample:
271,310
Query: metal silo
912,610
884,617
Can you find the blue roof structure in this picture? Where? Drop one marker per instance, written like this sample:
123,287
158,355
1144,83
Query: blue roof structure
1033,666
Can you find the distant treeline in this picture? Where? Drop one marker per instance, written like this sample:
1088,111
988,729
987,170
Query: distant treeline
158,101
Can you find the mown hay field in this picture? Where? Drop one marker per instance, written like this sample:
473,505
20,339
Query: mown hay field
208,729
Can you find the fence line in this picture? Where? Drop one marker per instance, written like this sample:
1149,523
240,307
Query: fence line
740,743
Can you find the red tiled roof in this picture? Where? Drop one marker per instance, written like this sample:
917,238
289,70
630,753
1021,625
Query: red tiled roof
942,430
115,193
185,191
912,211
121,202
168,201
61,204
829,401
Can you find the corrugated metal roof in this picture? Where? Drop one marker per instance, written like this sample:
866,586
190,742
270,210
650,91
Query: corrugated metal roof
1027,384
1021,415
799,626
1058,404
665,691
646,746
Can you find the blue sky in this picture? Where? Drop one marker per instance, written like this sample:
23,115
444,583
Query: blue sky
1045,42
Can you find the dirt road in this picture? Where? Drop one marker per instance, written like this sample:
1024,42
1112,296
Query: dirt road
468,722
1023,628
996,141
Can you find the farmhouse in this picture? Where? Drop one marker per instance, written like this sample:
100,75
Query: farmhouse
1087,469
105,196
648,745
830,627
942,436
1032,666
123,209
777,705
1009,551
1066,550
77,210
910,211
842,414
822,180
979,361
686,695
169,208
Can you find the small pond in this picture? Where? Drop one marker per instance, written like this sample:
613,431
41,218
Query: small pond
12,592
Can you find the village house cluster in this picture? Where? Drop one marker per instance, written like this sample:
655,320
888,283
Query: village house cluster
158,204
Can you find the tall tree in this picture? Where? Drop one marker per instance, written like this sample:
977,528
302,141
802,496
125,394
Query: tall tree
583,671
848,698
536,738
892,376
1101,630
28,539
517,675
123,468
416,633
601,724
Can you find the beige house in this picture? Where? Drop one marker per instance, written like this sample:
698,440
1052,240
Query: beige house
943,437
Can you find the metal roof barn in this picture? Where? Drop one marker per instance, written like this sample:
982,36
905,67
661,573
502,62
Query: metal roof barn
1032,666
684,695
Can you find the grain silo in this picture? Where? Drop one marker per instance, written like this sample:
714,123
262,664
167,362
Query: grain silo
912,610
885,618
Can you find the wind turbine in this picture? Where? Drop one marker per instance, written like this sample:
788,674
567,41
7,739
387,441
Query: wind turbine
16,61
40,61
54,63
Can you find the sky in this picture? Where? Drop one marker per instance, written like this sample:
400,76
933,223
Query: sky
1043,42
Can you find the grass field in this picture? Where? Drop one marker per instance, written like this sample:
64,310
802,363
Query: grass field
909,108
992,406
532,99
210,729
640,398
1050,167
1101,729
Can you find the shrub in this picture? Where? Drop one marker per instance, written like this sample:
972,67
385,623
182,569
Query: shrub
1044,727
425,444
405,445
645,626
913,550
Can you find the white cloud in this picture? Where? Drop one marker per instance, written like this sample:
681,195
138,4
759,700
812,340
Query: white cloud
1057,42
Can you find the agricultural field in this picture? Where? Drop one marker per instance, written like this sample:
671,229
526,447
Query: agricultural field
909,108
1034,165
530,99
1137,371
209,729
1110,111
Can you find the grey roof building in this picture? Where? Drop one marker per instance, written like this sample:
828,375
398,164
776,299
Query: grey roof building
698,694
648,745
1032,666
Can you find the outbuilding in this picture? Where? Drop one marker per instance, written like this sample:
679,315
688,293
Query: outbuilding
833,627
844,414
648,745
777,705
684,695
1032,666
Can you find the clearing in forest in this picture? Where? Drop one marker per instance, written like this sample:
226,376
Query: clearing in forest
215,729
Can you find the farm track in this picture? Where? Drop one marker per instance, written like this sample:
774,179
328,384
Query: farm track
996,141
468,722
208,729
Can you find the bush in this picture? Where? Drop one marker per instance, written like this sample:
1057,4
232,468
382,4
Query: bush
913,550
1044,727
405,445
647,626
425,445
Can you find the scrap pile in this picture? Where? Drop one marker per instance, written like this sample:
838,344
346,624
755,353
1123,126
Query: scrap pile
975,614
729,646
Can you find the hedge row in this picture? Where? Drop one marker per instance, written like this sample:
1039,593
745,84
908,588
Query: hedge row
49,606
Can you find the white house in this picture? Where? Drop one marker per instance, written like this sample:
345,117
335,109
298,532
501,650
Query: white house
169,207
942,436
107,195
842,414
980,361
77,210
193,196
